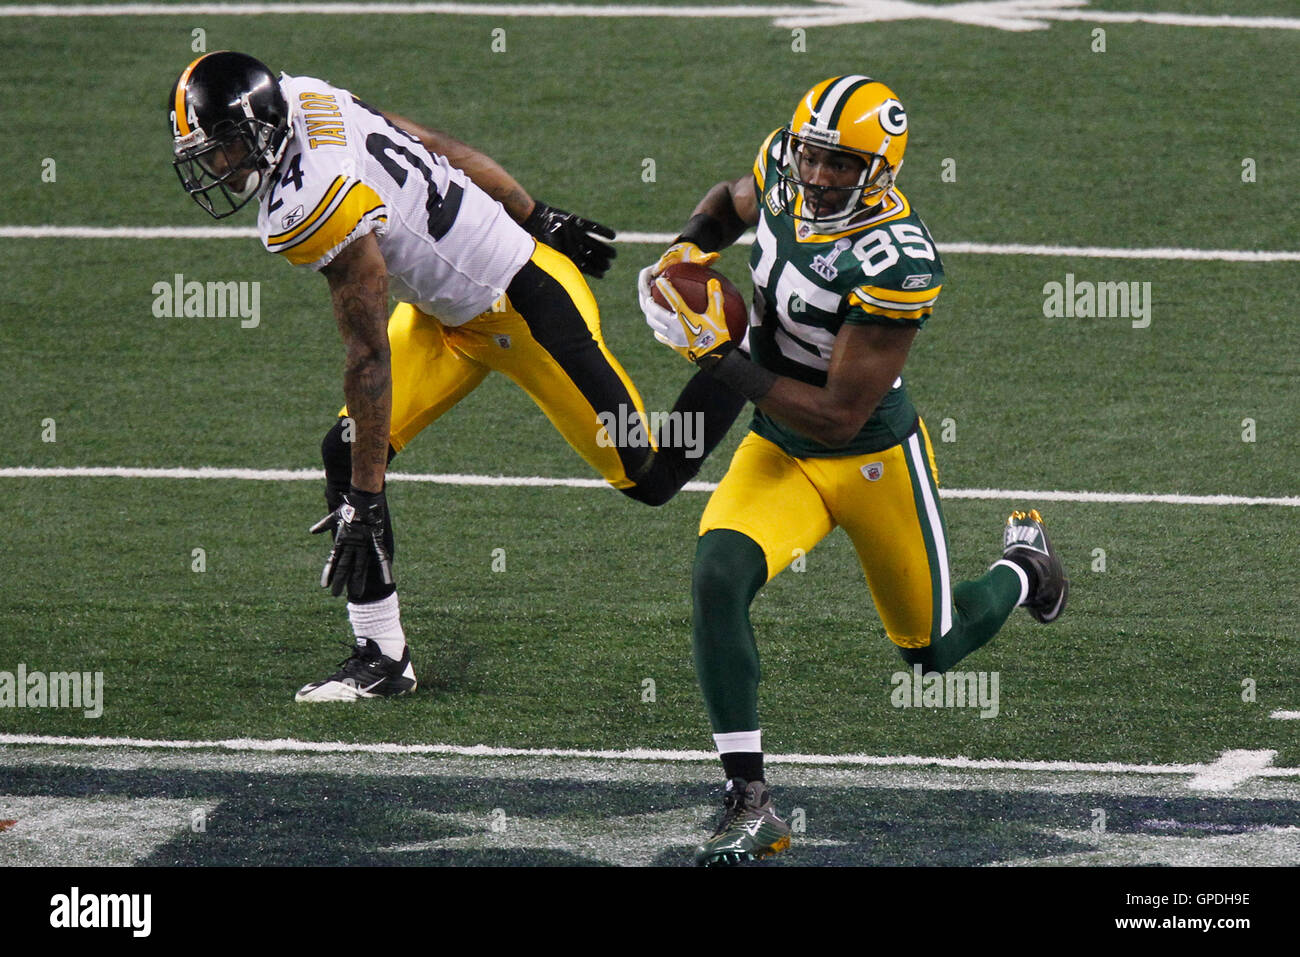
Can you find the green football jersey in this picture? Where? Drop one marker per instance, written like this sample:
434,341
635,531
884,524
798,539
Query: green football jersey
884,270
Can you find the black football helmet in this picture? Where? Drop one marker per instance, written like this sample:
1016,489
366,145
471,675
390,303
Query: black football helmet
230,126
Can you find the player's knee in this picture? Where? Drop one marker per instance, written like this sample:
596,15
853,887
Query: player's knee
928,657
654,482
653,494
335,452
729,566
337,456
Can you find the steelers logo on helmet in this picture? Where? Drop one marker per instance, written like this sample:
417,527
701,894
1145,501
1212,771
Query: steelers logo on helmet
230,127
841,152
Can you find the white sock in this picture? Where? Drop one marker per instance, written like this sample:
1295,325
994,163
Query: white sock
1024,579
381,623
739,741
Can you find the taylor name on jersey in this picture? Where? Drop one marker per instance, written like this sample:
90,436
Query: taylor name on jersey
450,249
884,269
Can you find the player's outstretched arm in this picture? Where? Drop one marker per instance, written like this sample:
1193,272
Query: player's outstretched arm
358,280
486,173
582,240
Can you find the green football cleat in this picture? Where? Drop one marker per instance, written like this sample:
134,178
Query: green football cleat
749,828
1024,541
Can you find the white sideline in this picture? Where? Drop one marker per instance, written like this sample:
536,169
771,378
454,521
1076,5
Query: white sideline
1256,766
1015,15
662,239
539,481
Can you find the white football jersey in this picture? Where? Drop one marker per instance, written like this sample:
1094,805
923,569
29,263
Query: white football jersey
450,249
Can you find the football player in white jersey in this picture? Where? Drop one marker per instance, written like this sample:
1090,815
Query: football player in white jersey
383,207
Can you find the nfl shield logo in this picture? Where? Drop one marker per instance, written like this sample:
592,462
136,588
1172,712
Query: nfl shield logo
873,471
503,341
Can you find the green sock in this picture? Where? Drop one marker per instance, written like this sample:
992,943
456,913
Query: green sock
729,570
979,609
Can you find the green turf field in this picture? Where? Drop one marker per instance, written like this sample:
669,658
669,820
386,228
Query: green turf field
1141,146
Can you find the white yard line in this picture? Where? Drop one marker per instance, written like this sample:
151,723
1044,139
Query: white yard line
630,238
539,481
1012,15
1236,766
1286,715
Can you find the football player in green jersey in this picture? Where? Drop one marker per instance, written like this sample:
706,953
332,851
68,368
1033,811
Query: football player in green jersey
845,274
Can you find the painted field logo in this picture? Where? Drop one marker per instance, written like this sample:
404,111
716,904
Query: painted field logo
75,909
675,430
57,689
211,300
953,689
1101,300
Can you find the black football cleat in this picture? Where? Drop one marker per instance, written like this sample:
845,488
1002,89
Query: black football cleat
748,830
1025,542
366,674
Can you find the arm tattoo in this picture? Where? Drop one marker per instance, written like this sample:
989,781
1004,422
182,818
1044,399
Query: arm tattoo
361,308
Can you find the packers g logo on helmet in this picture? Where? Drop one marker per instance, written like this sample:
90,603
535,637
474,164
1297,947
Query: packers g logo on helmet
855,115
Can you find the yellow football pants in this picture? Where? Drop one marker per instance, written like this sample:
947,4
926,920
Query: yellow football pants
887,503
544,334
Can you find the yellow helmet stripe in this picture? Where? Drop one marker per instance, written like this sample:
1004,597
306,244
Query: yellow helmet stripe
182,123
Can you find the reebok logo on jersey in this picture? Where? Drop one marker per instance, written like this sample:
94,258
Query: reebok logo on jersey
292,218
917,280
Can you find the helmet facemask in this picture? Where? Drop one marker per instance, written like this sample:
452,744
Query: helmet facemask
830,208
210,166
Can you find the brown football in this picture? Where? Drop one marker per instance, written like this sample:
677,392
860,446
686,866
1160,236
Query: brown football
692,281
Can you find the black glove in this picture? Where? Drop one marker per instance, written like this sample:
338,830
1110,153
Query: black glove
573,236
358,526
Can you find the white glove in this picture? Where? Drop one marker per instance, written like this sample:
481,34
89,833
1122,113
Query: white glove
705,332
663,322
667,328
